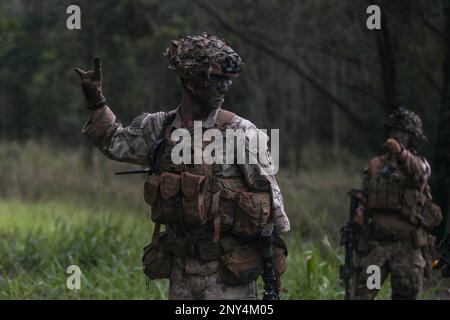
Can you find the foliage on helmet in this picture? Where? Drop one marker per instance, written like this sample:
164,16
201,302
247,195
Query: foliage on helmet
190,56
407,120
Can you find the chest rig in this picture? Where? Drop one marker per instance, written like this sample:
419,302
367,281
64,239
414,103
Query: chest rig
386,186
398,203
197,203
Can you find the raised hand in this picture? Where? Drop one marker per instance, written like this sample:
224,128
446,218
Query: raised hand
393,146
91,83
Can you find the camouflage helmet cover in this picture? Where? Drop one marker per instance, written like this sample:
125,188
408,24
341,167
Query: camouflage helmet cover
190,56
405,119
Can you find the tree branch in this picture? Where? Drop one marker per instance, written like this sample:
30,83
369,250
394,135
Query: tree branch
351,116
430,26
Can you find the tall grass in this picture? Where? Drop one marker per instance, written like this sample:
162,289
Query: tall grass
40,241
39,172
55,211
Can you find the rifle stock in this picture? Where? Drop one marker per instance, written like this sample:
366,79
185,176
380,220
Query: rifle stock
349,239
269,274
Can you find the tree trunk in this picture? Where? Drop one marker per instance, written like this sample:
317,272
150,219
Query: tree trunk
387,62
441,181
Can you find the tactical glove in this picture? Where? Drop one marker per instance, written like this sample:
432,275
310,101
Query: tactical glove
91,83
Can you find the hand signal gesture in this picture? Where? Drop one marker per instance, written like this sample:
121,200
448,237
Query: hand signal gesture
91,83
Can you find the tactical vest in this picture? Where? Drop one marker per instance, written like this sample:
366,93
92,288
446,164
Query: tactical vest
395,202
200,204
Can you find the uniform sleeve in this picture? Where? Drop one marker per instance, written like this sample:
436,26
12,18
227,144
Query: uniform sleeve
126,144
416,168
256,174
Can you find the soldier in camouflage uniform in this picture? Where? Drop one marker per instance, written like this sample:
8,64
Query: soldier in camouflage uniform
396,214
212,213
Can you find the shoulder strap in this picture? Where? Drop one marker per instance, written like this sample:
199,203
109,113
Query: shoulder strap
154,148
224,117
156,230
170,117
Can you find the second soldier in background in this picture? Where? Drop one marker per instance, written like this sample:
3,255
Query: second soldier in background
396,213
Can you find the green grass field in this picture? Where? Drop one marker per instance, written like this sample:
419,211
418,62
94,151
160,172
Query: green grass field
56,212
39,241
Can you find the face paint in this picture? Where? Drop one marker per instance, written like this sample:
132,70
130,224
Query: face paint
211,92
402,136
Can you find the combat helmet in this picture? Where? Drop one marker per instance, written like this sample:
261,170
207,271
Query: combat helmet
407,120
190,56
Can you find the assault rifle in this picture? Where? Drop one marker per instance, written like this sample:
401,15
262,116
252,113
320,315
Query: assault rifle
349,239
137,171
269,275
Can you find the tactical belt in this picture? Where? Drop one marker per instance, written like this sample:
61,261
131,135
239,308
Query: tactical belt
394,235
203,249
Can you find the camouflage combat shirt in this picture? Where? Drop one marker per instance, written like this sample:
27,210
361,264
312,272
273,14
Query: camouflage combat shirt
131,144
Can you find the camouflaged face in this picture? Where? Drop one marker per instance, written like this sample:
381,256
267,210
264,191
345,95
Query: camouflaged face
405,119
190,56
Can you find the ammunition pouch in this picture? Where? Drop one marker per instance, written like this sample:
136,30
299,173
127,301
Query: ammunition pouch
419,210
161,192
157,260
244,213
389,196
413,202
195,207
240,263
385,193
431,215
177,199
